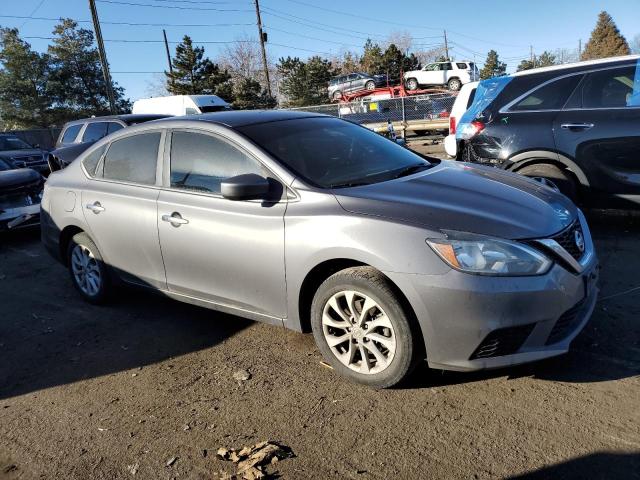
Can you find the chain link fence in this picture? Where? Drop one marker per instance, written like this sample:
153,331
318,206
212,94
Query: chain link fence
417,113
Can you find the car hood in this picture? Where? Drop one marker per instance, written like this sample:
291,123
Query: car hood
11,180
30,152
468,198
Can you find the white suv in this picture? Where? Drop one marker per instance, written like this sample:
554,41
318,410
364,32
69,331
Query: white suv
452,74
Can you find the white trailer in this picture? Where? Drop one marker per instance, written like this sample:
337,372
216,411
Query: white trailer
180,105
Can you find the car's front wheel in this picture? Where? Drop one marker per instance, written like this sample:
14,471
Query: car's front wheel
412,84
88,272
552,176
362,329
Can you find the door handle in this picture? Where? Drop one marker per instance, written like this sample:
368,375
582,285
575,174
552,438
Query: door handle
175,219
577,126
95,207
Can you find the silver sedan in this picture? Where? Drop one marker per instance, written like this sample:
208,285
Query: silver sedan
316,224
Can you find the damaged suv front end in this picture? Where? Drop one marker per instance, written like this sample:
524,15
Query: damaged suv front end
20,195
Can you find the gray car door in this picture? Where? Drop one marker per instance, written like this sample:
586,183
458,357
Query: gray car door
120,209
218,250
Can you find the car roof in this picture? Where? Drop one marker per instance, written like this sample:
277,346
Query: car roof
586,63
239,118
127,118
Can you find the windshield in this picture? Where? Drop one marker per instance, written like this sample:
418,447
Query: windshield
4,165
332,153
8,142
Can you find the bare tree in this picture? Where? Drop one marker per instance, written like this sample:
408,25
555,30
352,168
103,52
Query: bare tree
401,39
635,44
157,86
430,55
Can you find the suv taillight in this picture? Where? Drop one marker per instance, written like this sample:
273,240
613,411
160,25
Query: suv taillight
470,130
452,125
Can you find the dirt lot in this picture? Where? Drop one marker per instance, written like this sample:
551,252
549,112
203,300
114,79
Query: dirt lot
116,391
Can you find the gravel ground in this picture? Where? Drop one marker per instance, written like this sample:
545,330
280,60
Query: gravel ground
145,388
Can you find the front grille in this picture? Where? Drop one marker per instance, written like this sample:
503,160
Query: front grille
567,240
503,341
567,322
30,159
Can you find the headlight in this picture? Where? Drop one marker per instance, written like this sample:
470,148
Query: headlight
489,256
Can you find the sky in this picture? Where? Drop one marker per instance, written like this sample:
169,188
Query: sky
307,27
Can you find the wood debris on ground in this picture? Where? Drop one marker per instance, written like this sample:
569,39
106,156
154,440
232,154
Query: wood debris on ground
252,460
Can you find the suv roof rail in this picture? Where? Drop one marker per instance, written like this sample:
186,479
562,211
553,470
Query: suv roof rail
563,66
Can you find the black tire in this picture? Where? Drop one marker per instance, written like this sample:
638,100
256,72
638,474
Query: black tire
554,175
454,84
420,132
370,85
83,241
372,283
337,95
412,84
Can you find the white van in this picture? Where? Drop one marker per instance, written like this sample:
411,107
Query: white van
463,102
180,105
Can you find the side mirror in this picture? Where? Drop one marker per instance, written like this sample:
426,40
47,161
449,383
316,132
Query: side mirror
245,187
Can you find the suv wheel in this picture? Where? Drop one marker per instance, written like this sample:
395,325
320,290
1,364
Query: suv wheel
88,272
412,84
454,84
361,328
553,177
370,85
337,95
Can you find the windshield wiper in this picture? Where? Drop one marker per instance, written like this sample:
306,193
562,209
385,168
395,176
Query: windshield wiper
349,184
411,169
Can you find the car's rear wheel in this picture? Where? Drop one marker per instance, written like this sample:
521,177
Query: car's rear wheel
454,84
412,84
337,95
553,177
362,329
370,85
88,271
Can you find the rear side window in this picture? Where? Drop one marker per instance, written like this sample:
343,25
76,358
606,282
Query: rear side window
446,66
608,88
91,161
114,127
551,96
133,159
200,162
94,131
461,66
71,133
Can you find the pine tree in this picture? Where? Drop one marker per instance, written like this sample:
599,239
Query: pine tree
606,40
394,62
195,74
546,59
371,59
493,67
24,83
249,95
77,85
304,83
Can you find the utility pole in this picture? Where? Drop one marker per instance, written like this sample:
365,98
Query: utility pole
103,56
166,46
531,56
446,45
579,49
264,52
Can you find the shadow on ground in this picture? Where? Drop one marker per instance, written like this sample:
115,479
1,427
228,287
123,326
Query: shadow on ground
596,466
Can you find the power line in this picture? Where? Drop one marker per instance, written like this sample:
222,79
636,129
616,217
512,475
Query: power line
32,13
175,7
136,24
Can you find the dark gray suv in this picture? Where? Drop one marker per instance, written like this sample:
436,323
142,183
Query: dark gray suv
354,82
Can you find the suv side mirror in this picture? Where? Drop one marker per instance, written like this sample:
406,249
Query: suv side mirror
245,187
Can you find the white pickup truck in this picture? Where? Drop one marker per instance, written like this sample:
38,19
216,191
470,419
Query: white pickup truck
451,74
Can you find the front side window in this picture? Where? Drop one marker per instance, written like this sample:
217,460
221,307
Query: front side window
333,153
10,142
446,66
551,96
201,162
133,159
611,88
71,133
432,67
94,131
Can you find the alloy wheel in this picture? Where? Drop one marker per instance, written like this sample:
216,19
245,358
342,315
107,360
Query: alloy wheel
86,271
358,332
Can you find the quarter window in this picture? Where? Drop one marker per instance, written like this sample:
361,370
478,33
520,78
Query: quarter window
201,162
94,131
551,96
91,161
71,133
461,66
133,159
608,88
114,127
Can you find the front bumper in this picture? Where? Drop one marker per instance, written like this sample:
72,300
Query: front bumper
19,217
471,322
